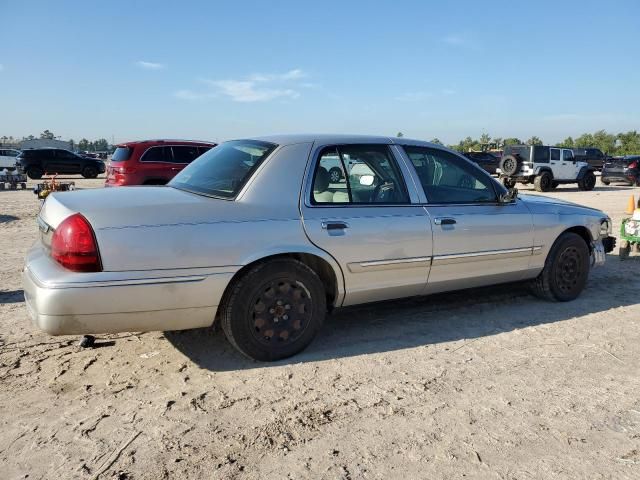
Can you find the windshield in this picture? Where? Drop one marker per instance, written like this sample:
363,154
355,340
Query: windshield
223,170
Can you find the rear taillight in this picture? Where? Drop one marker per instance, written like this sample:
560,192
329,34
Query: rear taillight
633,165
74,246
123,170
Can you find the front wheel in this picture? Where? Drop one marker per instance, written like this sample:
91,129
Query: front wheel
508,182
34,173
604,182
274,310
588,182
566,269
543,182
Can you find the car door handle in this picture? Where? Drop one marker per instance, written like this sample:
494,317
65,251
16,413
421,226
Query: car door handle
444,221
334,225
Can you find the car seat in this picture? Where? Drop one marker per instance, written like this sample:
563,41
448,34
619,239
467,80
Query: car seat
321,194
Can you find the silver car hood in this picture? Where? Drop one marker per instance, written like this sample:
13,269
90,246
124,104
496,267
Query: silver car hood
107,208
542,201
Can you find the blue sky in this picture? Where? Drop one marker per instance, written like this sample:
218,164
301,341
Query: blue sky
216,70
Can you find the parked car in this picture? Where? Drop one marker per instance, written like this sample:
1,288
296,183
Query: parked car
8,158
545,167
485,160
253,235
38,161
152,162
592,156
622,169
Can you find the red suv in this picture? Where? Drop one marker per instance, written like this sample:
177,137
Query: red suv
152,162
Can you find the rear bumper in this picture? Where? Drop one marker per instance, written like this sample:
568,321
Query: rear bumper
59,304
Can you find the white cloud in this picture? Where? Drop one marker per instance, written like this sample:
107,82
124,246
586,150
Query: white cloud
258,87
414,96
150,65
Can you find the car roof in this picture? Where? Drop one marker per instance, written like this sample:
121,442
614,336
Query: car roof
165,140
327,138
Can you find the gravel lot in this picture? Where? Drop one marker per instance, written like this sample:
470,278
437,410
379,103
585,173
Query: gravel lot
491,383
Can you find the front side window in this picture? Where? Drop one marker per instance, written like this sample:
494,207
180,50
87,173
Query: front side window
567,155
446,178
223,171
185,153
358,174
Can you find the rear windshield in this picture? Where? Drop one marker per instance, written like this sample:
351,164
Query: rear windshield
223,170
121,154
521,150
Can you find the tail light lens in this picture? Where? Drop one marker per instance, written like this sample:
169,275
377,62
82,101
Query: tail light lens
633,165
74,246
124,170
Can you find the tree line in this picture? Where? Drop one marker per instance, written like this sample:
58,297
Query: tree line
84,145
623,143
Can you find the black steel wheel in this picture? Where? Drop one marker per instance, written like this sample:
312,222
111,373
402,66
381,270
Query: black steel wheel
335,175
274,310
543,182
588,182
509,165
566,269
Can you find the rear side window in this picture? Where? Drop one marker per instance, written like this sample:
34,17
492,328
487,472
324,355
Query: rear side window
541,154
202,150
358,174
122,154
555,154
157,154
185,153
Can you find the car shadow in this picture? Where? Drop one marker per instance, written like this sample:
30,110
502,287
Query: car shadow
11,296
8,218
409,323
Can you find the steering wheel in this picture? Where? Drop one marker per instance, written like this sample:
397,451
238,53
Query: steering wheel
378,190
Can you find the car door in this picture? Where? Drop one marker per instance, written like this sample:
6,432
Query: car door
477,240
569,165
183,155
557,166
369,221
157,162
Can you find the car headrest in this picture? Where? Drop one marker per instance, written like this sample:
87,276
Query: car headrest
321,182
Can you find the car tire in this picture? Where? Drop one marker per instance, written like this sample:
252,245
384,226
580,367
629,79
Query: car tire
565,271
335,175
588,182
604,182
89,172
543,182
625,250
510,165
274,310
34,173
554,185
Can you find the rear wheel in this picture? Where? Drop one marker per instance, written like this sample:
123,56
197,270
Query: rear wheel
274,310
543,182
604,182
34,172
554,185
89,172
625,250
588,182
566,269
509,182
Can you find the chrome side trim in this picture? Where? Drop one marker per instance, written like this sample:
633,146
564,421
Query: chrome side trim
480,256
536,250
377,265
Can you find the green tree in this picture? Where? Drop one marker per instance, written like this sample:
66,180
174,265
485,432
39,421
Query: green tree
534,141
400,134
101,145
485,138
566,143
436,141
47,135
83,145
72,144
512,141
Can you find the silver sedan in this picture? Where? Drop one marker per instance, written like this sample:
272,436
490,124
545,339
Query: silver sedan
267,235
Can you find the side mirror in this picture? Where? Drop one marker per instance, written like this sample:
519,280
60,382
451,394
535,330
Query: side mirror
366,180
510,196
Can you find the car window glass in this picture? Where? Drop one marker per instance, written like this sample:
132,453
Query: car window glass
202,150
184,153
555,154
567,155
447,178
358,174
155,154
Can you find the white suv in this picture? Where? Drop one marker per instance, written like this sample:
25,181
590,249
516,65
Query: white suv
545,167
8,158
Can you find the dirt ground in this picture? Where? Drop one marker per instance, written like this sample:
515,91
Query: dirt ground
491,383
